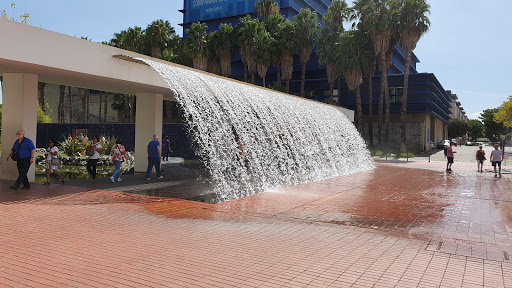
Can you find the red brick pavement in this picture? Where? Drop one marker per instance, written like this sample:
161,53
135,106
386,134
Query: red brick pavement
404,224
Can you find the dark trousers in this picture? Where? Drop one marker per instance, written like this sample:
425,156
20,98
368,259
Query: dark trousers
91,167
165,155
153,162
23,166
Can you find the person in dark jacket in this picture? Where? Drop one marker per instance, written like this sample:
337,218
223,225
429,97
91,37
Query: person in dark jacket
24,151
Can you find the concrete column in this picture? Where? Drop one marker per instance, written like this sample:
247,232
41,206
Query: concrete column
148,121
19,111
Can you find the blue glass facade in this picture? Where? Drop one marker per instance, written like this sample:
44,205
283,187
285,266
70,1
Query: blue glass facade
427,99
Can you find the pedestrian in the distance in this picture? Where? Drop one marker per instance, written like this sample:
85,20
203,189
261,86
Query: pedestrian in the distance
480,158
23,152
154,156
166,147
496,158
449,155
52,153
118,154
93,151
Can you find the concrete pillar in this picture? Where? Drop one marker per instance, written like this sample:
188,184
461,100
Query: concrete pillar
148,121
19,111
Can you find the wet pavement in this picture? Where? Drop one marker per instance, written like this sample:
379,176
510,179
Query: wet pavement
404,224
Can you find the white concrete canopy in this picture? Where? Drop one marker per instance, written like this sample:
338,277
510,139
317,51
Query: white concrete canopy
29,54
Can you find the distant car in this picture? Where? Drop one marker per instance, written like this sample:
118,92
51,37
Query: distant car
470,143
443,144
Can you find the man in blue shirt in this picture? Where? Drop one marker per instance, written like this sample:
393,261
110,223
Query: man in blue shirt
154,157
26,151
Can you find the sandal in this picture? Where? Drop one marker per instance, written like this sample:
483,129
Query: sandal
47,183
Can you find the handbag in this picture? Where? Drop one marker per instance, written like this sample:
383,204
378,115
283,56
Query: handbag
15,156
90,152
55,161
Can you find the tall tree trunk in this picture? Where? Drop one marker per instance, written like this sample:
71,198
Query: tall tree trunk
245,72
278,74
403,110
302,79
87,96
101,103
288,86
370,109
62,95
331,92
70,105
381,96
42,87
359,109
389,59
81,92
105,108
339,90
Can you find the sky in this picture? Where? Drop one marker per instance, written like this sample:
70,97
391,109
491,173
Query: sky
466,46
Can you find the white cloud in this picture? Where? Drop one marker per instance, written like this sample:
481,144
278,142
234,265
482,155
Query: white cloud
475,115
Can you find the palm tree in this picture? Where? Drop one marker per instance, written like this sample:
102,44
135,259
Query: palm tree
158,34
307,27
328,55
266,8
41,86
70,105
248,31
413,22
336,14
213,59
131,39
222,43
263,54
353,57
376,17
272,26
286,39
196,45
62,94
368,71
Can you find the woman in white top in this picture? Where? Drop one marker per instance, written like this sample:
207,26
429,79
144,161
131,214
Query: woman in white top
51,153
92,162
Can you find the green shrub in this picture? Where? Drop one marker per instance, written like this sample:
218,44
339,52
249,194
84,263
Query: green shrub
378,153
405,155
72,147
107,145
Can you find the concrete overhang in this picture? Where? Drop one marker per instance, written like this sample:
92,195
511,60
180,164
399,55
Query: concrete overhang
66,60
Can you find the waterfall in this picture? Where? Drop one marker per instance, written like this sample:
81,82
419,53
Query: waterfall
253,139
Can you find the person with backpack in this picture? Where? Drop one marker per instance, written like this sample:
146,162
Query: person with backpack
23,152
449,155
118,154
480,158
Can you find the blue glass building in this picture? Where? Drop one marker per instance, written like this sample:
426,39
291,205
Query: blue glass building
429,105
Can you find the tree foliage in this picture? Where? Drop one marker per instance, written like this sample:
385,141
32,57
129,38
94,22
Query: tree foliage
457,128
475,129
504,113
44,116
492,129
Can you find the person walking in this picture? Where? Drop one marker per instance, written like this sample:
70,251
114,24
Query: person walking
118,154
154,156
496,158
480,158
52,153
93,151
449,155
23,152
166,148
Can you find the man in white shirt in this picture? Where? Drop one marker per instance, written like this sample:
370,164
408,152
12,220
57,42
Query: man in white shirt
496,158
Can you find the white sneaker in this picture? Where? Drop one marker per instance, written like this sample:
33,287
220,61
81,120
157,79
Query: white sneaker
161,177
148,179
112,179
119,180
